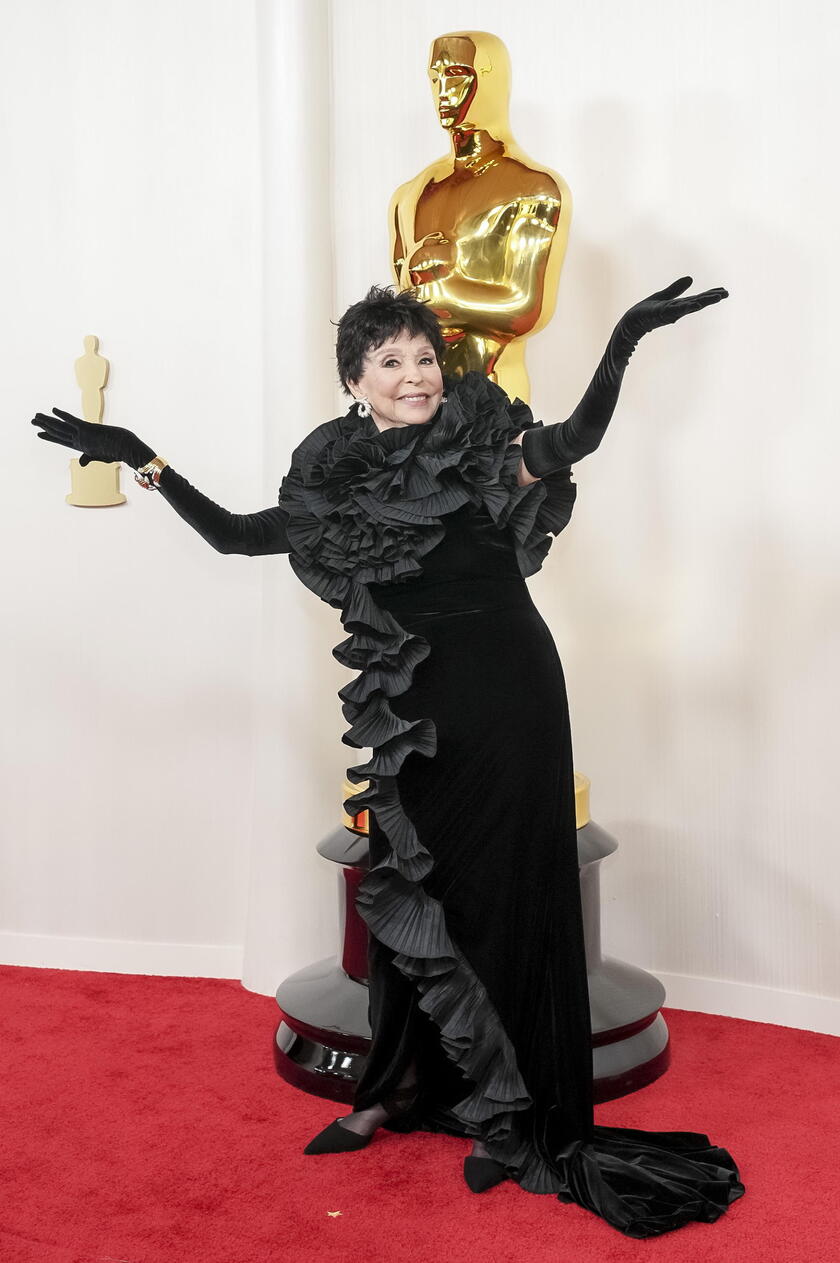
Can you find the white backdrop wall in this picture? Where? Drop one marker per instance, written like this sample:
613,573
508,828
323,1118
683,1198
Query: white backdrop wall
155,194
141,766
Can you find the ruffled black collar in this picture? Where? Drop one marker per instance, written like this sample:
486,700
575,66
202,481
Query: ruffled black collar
365,505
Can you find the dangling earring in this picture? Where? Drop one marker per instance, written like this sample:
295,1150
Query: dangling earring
444,399
363,406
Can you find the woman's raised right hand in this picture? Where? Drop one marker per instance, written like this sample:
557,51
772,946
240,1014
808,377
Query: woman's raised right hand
107,443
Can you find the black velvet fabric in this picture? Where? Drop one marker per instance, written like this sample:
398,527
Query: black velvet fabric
495,807
260,534
423,540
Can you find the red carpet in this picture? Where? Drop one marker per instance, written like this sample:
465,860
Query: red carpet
143,1122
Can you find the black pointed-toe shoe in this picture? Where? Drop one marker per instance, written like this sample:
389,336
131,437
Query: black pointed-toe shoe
336,1139
482,1173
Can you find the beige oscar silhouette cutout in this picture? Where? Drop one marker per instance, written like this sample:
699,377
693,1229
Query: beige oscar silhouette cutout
97,485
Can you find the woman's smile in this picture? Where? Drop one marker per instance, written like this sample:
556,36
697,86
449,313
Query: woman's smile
401,381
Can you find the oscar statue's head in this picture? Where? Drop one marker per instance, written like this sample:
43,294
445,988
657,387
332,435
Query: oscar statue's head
470,77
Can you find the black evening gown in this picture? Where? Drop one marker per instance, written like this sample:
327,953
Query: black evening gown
423,539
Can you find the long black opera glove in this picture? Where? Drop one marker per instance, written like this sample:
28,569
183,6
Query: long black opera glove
253,534
546,449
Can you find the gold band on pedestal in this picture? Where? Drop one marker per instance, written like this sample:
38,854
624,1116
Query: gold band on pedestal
359,822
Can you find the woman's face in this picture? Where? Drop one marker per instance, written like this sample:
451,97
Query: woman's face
402,381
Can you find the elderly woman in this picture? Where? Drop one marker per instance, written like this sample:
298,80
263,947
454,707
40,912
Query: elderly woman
419,514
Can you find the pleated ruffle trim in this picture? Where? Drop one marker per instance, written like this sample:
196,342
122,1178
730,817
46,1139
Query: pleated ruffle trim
365,507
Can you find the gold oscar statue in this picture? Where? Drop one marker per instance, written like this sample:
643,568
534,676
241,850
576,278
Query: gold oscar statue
96,485
481,234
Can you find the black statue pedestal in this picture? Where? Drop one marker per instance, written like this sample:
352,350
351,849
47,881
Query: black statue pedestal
323,1035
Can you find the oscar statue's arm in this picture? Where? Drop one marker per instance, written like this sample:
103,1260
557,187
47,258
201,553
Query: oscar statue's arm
494,277
398,252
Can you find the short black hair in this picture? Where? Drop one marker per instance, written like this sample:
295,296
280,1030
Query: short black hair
380,315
